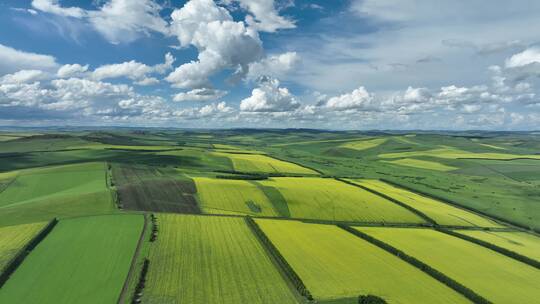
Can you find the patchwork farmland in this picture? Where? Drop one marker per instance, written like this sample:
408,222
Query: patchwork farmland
273,216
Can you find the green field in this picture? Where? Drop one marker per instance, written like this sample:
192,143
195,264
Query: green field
43,193
329,199
335,264
209,259
523,243
496,277
440,212
422,164
83,260
223,196
14,238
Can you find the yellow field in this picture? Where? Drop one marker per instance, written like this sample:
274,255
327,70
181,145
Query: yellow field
219,196
363,144
211,259
225,147
496,277
14,238
455,153
263,163
329,199
520,242
8,137
440,212
422,164
334,264
493,147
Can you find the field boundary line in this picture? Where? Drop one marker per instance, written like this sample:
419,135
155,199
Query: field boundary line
332,222
296,163
509,253
9,183
129,277
461,206
18,259
434,273
283,266
393,200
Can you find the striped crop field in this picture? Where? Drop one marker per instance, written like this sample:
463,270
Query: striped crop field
263,164
59,191
224,196
453,153
14,238
329,199
422,164
335,264
364,144
498,278
211,259
82,260
520,242
440,212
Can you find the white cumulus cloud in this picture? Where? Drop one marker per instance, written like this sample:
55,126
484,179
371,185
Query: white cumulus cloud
269,97
12,60
133,70
200,95
71,70
221,42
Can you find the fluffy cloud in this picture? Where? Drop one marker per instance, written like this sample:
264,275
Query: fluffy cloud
23,76
12,60
117,20
133,70
275,66
264,16
221,42
521,66
71,70
201,95
53,7
269,97
358,99
528,56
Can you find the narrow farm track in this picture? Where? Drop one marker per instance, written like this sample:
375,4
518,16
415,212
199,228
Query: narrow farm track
124,296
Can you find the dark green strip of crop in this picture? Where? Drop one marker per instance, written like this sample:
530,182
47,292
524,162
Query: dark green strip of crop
393,200
274,252
21,255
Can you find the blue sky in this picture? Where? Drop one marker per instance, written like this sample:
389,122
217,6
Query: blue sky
344,64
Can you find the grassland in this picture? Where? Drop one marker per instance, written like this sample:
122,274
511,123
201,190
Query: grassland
152,189
14,238
422,164
498,278
363,144
520,242
209,259
440,212
263,163
61,191
83,260
222,196
334,264
328,199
